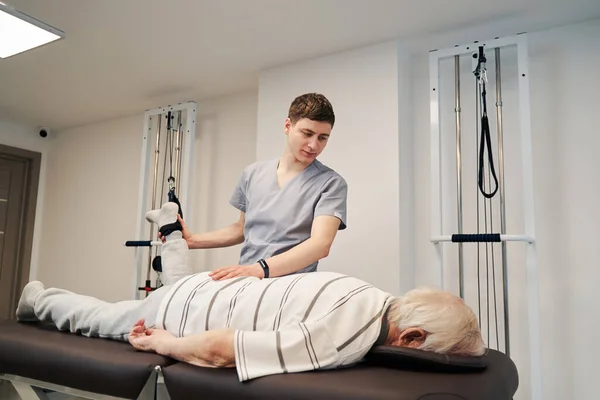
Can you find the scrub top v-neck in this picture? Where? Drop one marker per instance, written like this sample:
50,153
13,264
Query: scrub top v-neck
279,218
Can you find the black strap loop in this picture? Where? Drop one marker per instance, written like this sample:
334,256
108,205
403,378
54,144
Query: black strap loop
170,228
486,140
173,199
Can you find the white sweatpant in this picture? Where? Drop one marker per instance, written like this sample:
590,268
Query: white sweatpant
92,317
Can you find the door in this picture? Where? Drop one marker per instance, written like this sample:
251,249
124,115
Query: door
19,174
12,180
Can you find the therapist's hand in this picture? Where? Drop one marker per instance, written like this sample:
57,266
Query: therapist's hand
237,270
185,232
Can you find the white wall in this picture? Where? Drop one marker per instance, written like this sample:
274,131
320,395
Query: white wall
91,205
564,84
26,137
90,208
225,145
362,86
567,171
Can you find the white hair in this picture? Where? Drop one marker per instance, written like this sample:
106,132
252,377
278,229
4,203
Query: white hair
450,325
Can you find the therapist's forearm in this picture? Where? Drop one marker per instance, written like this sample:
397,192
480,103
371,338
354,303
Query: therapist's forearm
298,257
229,236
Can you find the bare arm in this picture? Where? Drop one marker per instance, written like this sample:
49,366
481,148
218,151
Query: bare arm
315,248
207,349
324,230
259,352
231,235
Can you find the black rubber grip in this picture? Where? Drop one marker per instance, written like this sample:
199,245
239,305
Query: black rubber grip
476,238
138,243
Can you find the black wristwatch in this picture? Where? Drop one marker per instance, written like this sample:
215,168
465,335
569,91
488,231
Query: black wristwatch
264,266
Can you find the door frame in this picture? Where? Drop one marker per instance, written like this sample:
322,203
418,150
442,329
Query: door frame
33,161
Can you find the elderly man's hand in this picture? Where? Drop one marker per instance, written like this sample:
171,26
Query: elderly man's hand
237,270
145,339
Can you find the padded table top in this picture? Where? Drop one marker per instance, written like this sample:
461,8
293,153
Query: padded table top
96,365
498,381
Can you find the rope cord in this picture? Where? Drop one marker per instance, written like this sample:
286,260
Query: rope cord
483,140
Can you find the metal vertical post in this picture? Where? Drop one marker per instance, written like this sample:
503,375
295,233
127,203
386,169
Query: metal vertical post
457,110
533,301
502,199
436,178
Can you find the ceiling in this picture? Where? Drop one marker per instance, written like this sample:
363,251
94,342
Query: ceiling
121,57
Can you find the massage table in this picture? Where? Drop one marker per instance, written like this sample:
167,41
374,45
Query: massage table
37,359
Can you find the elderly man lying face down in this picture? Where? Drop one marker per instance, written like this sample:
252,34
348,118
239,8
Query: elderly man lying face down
299,322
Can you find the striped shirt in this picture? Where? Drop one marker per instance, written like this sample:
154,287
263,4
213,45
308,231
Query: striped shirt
317,320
